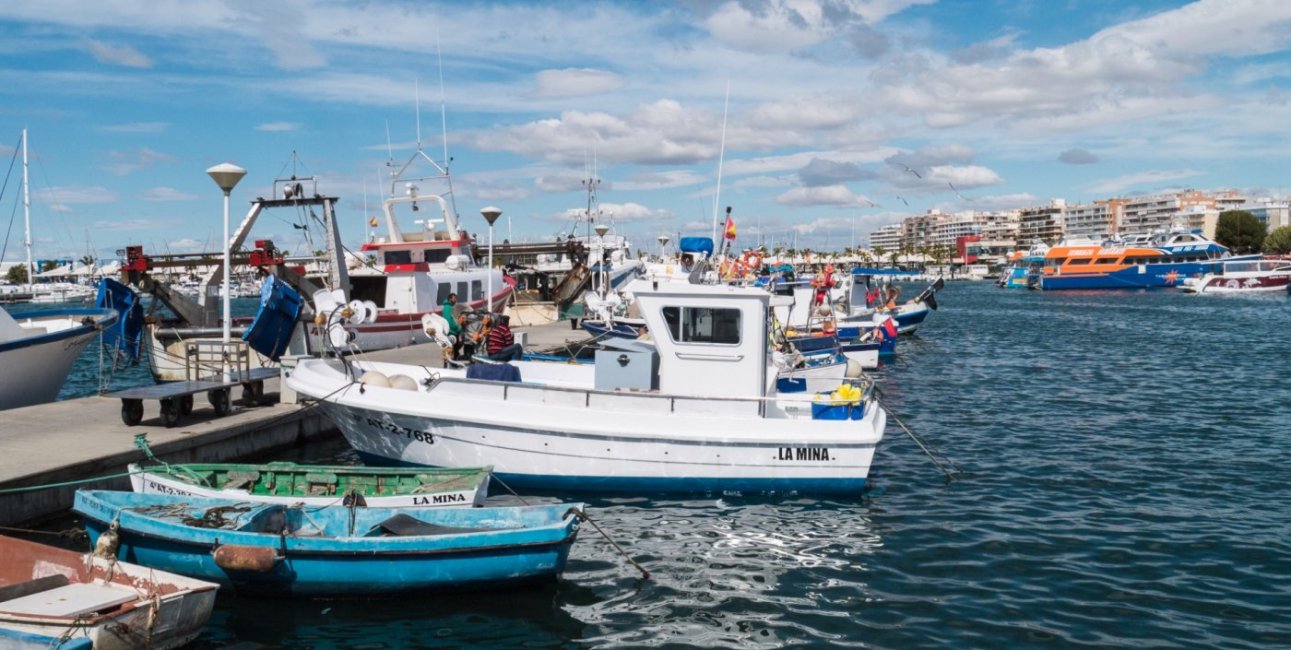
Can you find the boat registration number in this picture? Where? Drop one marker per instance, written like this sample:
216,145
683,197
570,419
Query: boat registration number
411,434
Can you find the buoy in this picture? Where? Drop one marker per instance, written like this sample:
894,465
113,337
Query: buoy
403,382
374,378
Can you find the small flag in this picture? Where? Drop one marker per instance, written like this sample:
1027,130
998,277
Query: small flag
890,328
730,228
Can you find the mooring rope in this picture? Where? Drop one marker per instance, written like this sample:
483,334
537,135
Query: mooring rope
928,448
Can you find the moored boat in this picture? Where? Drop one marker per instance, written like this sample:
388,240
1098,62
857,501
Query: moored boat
1242,276
316,485
336,551
44,344
1144,262
53,593
699,410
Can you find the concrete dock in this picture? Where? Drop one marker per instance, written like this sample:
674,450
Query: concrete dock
73,440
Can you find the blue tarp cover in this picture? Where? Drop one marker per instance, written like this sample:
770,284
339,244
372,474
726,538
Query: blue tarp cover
275,322
127,334
697,245
493,372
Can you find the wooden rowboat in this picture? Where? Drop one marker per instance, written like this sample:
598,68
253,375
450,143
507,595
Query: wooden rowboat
317,485
49,593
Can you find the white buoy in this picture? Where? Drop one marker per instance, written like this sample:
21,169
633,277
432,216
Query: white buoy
374,378
403,382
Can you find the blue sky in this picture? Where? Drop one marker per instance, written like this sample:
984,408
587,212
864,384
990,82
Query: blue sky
834,107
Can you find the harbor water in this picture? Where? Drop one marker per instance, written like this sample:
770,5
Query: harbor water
1124,483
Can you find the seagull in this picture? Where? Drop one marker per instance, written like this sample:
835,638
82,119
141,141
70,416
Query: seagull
870,203
907,203
961,196
907,168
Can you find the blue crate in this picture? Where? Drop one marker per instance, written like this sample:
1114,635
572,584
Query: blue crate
827,411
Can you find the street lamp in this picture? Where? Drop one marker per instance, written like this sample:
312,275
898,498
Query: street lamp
663,243
226,175
491,214
601,229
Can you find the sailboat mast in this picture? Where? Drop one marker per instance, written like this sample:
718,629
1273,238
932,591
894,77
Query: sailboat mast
26,212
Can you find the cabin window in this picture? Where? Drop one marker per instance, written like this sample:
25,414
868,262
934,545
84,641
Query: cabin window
443,291
462,295
703,325
437,255
398,257
1057,261
368,288
1077,260
477,289
1105,260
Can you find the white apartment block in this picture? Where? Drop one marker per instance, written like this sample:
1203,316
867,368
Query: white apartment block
887,237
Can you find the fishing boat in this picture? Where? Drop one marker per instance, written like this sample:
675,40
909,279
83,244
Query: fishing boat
1022,270
316,485
49,593
1162,259
695,410
1242,276
43,345
334,551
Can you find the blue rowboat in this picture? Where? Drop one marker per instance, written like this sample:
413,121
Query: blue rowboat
334,551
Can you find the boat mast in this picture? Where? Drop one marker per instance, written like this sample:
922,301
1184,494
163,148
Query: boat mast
26,212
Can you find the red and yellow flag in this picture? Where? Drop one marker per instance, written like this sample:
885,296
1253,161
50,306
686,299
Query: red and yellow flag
730,227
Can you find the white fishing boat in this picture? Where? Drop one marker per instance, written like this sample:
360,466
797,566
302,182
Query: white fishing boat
37,350
699,411
52,597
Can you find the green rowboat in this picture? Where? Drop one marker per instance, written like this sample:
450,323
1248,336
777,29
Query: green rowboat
317,484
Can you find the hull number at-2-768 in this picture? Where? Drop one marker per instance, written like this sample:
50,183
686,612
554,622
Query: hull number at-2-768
411,434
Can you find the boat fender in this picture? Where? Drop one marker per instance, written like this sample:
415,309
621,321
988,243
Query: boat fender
403,382
375,379
239,557
854,370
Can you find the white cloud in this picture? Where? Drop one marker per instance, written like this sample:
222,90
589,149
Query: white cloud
1119,183
72,194
770,26
576,82
127,162
166,194
136,127
963,176
118,54
278,127
621,213
835,195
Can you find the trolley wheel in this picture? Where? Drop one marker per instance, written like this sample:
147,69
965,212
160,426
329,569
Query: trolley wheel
219,399
170,410
131,411
252,393
186,405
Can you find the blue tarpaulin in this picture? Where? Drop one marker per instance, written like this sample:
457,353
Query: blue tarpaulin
696,245
493,372
275,322
127,335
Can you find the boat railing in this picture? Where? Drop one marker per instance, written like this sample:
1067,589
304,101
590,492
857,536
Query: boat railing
588,398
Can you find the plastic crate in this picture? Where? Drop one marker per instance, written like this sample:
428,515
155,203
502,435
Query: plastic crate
791,385
828,411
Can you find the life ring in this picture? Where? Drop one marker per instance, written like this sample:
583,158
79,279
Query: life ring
752,261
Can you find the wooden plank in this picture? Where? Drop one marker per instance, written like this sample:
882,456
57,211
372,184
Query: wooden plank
72,600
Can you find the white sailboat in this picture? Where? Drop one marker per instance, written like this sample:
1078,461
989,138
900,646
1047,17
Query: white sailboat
37,349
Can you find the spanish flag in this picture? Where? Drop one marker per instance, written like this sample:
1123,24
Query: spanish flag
730,228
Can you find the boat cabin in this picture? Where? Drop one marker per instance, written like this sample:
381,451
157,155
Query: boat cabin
711,338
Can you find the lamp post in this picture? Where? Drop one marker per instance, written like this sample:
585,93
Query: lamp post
663,243
491,214
226,175
601,229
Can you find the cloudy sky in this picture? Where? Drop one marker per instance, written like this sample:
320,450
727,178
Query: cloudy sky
826,118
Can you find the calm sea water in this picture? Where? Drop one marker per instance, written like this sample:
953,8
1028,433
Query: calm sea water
1125,484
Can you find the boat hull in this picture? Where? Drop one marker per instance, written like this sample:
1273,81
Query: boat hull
541,438
1140,276
46,356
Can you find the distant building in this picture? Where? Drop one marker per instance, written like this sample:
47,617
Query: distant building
887,237
1041,225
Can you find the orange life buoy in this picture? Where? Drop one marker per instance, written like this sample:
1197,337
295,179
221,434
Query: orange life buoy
752,261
